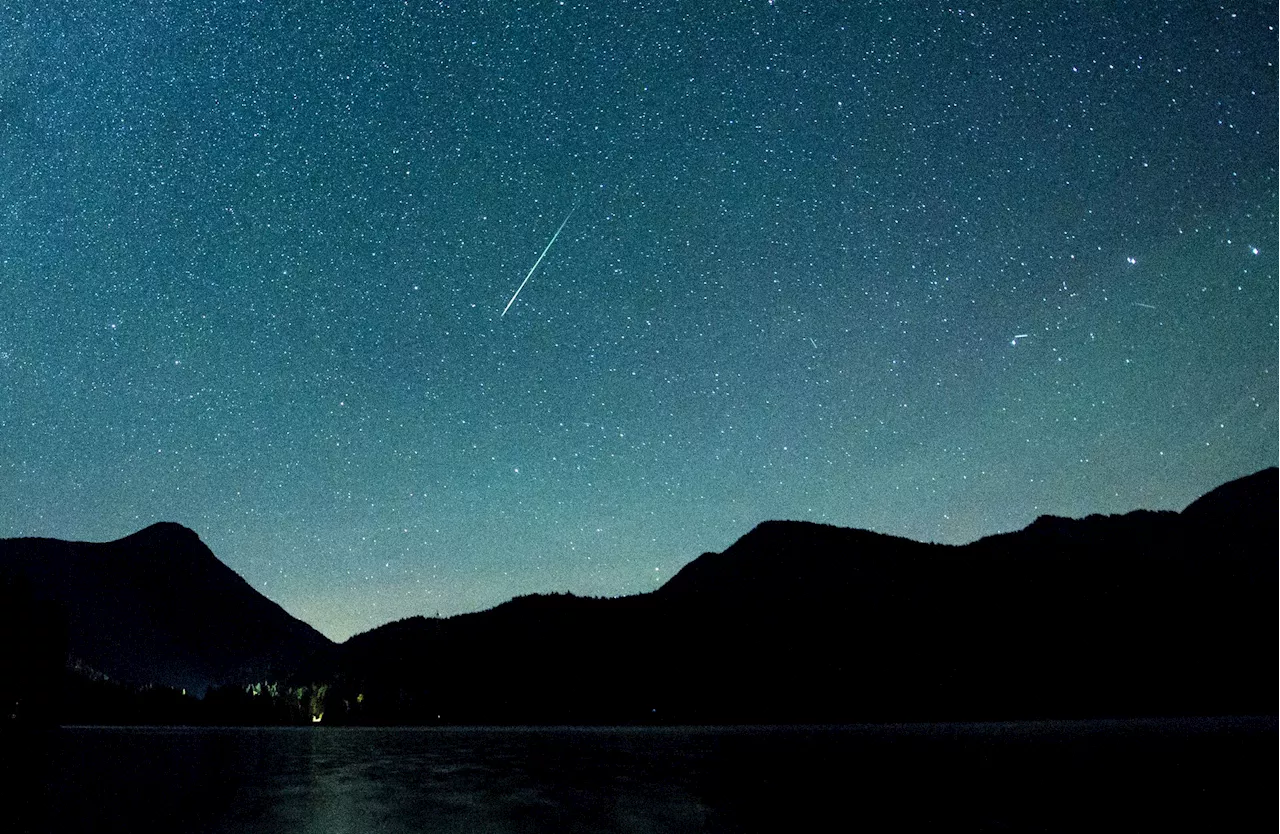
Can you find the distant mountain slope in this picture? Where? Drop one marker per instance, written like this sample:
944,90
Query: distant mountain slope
158,607
1146,613
1140,614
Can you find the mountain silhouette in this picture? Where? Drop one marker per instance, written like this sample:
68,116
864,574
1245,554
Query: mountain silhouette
157,607
1141,614
1146,613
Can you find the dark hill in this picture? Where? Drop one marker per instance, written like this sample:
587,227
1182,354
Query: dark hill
157,607
1241,509
1147,613
780,562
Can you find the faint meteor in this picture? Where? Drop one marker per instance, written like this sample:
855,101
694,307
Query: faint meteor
539,260
1148,306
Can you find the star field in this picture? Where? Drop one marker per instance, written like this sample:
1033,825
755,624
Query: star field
922,269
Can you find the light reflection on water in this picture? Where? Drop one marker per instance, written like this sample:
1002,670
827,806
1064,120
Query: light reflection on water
1142,775
339,780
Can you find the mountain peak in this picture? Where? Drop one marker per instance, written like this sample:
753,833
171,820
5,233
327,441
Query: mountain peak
165,530
1245,507
159,607
1244,497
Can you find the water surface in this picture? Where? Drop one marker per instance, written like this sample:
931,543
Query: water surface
1041,776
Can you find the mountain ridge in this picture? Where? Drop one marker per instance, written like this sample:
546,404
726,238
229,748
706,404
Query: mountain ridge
1140,613
158,607
1146,612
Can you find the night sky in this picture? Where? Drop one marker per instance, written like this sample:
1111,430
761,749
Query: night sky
923,269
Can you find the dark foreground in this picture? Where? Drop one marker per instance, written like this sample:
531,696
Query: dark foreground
1159,775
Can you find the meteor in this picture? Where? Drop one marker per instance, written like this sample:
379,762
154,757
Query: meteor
539,260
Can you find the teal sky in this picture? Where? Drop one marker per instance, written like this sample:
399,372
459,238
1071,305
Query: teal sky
905,267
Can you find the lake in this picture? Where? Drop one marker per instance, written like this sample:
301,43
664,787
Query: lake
1026,776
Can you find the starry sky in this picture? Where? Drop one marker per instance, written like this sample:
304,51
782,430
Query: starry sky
926,269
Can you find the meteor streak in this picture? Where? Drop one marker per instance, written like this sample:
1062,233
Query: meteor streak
539,260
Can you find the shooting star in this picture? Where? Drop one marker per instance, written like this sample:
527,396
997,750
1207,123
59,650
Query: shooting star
1148,306
1014,340
539,260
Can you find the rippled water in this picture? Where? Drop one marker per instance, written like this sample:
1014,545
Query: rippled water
1135,776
